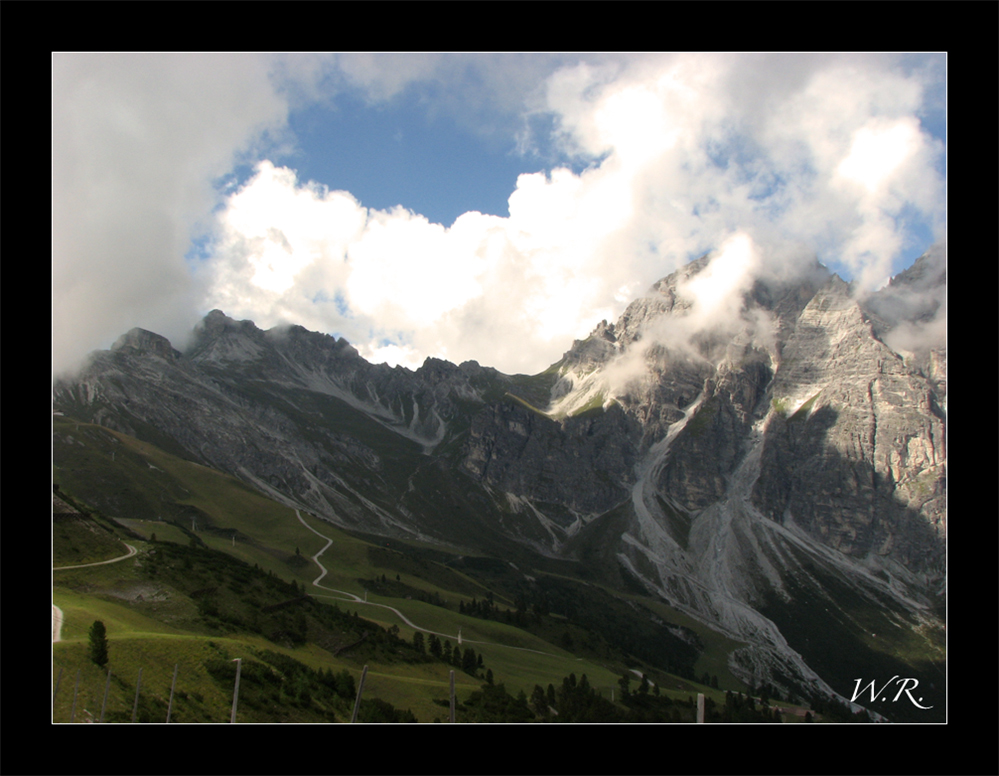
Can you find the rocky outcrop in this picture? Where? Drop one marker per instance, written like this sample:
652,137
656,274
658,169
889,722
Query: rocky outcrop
140,341
854,449
583,463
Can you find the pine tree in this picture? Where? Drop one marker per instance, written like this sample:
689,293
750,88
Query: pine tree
469,662
538,700
98,643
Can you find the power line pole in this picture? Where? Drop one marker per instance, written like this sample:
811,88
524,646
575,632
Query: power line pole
235,693
360,689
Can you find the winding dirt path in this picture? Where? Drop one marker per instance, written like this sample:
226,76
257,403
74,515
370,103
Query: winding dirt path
131,551
345,596
57,612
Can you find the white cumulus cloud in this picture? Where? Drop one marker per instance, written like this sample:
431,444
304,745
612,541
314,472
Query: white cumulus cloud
656,159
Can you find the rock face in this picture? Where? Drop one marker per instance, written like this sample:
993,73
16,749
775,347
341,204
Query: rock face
856,453
792,452
583,463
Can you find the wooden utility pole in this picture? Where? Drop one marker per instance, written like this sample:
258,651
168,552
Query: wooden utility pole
700,707
360,689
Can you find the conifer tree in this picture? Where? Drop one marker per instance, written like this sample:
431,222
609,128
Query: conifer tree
98,643
469,662
538,700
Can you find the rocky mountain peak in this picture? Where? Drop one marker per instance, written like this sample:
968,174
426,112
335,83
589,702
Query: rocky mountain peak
217,322
928,271
140,342
219,338
916,297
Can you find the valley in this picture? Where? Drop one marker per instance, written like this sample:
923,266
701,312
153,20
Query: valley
179,603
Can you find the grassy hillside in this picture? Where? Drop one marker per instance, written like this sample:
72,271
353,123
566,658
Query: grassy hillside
222,573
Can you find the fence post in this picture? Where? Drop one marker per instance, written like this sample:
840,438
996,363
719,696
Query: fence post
172,685
56,691
135,706
235,693
107,686
360,689
72,714
700,707
452,695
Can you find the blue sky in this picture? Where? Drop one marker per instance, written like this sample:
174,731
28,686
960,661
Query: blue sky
395,155
471,206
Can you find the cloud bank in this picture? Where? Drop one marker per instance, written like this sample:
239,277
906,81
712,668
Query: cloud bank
659,159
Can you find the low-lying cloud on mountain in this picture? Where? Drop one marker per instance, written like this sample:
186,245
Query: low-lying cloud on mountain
634,165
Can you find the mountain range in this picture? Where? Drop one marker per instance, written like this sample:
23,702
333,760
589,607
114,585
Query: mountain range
771,462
